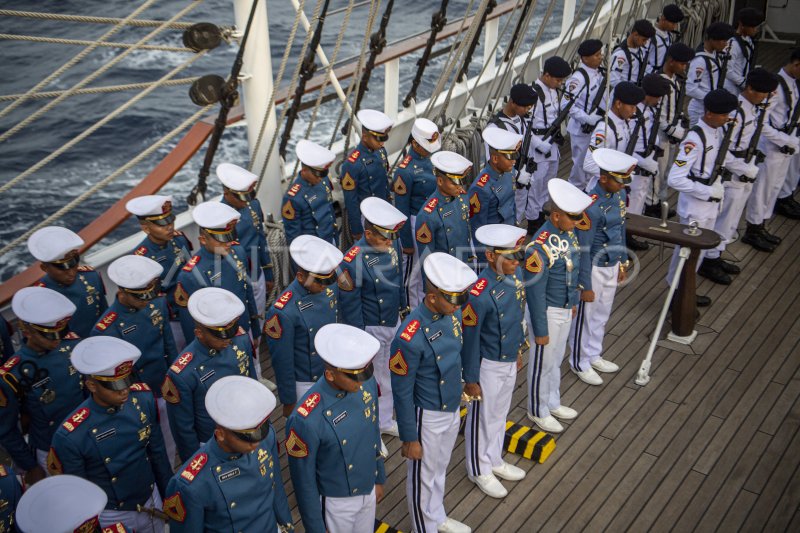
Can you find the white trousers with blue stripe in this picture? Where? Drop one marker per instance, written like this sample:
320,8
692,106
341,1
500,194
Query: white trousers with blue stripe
589,327
352,514
544,367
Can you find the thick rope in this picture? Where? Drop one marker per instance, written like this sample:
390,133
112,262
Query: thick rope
127,21
81,42
100,90
105,181
85,81
100,123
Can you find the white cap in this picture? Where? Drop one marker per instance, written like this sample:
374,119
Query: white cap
448,273
215,215
382,213
41,306
501,139
104,356
568,197
346,347
235,177
451,162
313,155
60,504
314,255
426,134
153,205
134,271
53,243
374,120
501,236
239,402
214,307
614,161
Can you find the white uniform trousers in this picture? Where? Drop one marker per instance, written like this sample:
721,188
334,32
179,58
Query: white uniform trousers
792,177
385,335
351,514
736,195
260,295
412,272
166,432
579,144
544,367
530,201
177,334
486,419
771,177
41,458
589,327
133,521
301,388
703,223
425,479
639,187
657,191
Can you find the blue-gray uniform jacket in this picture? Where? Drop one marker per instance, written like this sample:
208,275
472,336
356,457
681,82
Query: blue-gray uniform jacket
6,344
371,286
308,210
171,256
48,388
425,362
220,491
334,448
443,226
119,449
88,294
414,182
251,236
552,264
602,234
291,325
10,493
365,173
492,320
491,199
206,269
187,382
144,328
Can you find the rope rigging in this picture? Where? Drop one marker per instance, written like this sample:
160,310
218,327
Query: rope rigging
377,42
127,21
474,41
82,42
100,90
438,20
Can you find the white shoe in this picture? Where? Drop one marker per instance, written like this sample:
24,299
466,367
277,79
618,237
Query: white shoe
564,413
508,472
391,430
453,526
384,450
490,485
268,384
548,423
601,365
589,376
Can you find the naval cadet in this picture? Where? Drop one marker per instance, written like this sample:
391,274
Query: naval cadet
333,441
426,384
39,383
515,116
552,264
666,34
166,246
628,61
220,348
494,343
64,504
584,85
705,70
786,205
604,263
308,202
233,482
365,170
10,494
742,49
414,182
491,195
443,223
58,250
239,192
694,175
138,316
220,262
309,302
113,439
372,294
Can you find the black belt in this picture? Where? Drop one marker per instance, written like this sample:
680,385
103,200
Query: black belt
741,154
704,181
539,131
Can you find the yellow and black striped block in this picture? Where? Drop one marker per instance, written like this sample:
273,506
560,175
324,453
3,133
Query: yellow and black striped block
383,527
522,440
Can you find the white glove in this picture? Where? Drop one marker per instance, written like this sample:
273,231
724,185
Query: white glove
717,191
544,147
678,132
594,118
524,178
751,171
794,142
649,164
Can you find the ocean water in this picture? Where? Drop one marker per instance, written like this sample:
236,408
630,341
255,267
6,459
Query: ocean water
44,192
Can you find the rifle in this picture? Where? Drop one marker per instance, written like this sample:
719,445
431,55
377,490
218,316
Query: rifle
598,97
719,171
635,135
679,116
752,148
723,70
524,161
553,132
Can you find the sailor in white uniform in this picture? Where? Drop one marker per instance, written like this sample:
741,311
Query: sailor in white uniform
706,68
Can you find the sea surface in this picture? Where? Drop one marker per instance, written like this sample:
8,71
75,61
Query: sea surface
26,63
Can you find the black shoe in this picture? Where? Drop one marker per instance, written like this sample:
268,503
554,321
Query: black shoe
635,244
729,268
754,238
534,225
788,208
769,237
702,301
653,210
710,269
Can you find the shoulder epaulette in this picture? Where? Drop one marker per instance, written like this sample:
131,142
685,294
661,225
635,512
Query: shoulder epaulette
542,237
240,332
191,263
309,404
352,253
140,387
594,198
39,284
482,180
8,365
354,155
115,528
194,467
181,362
140,250
76,419
106,321
281,302
404,163
477,289
430,206
294,189
179,233
85,268
410,331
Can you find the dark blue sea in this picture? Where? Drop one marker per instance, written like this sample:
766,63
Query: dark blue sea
26,63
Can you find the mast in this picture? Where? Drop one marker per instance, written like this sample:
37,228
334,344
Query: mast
256,86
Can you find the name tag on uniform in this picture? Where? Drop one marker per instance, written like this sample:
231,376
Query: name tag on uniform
340,417
208,375
435,336
129,329
372,261
447,214
368,161
418,170
216,276
106,434
161,259
312,198
230,474
500,294
304,306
